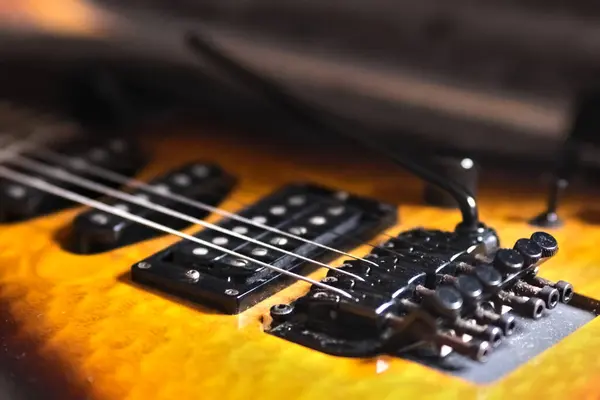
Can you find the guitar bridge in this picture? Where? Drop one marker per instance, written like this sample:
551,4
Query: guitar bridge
431,294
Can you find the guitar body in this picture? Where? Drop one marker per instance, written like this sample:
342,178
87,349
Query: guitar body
76,326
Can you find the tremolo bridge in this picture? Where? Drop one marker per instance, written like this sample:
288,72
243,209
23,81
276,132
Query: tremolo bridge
427,291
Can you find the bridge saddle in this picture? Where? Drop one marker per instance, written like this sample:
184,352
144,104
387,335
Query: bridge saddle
428,291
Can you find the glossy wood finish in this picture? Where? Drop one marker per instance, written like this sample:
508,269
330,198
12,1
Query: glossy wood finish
80,327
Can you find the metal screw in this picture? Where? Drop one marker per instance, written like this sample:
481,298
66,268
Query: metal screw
329,279
548,294
531,307
232,292
193,275
491,334
281,309
144,265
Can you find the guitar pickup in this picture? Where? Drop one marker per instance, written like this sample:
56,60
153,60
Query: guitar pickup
95,231
20,202
426,294
320,216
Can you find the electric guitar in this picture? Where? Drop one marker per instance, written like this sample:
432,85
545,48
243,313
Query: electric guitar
201,265
195,263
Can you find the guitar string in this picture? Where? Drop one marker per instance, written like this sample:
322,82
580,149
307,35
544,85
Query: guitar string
44,152
68,160
61,174
47,187
354,239
24,144
65,134
55,156
104,173
41,134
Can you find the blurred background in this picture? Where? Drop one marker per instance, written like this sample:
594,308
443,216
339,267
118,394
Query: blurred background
497,78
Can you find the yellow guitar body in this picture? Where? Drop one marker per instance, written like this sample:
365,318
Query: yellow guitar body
80,327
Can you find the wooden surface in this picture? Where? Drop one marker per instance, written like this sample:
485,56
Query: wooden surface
77,327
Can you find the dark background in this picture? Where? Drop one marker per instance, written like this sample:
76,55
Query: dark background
495,79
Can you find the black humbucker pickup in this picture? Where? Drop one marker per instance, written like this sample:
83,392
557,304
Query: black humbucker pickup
95,231
19,202
425,290
233,284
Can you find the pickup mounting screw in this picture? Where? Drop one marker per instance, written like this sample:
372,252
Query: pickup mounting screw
232,292
144,265
193,275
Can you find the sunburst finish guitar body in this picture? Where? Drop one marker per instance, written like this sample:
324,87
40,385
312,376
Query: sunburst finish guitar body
77,326
88,312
